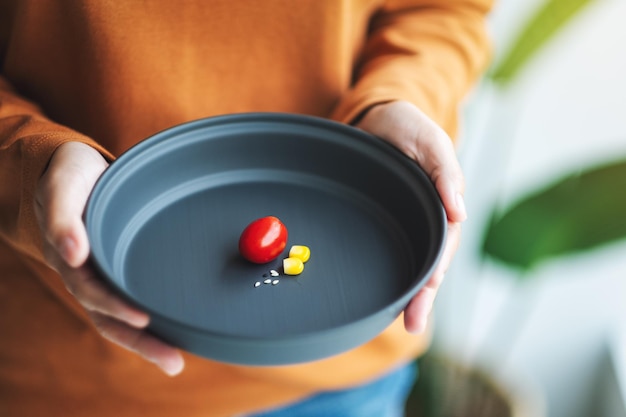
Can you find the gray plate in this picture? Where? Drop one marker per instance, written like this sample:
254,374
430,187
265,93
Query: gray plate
165,218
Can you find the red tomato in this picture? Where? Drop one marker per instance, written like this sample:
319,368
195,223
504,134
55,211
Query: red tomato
263,240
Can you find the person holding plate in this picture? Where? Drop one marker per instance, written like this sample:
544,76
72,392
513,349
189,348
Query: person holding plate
83,81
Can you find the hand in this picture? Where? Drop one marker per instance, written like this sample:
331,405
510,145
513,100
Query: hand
410,130
60,199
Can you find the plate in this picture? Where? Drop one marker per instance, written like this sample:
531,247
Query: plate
165,218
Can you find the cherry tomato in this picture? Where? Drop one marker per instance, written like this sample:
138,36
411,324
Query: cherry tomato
263,240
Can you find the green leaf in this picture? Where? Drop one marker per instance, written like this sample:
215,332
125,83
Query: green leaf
547,20
577,213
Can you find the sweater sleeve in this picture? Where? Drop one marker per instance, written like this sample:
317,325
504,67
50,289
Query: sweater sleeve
423,51
27,141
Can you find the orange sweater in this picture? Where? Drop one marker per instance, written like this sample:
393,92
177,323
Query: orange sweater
110,73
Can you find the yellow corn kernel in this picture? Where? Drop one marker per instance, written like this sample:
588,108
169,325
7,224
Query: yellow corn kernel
301,252
293,266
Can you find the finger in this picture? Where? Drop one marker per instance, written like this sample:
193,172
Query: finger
61,198
166,357
453,239
418,310
96,297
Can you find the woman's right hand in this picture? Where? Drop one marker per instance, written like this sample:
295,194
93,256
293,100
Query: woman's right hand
60,200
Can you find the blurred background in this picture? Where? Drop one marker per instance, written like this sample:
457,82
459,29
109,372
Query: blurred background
534,305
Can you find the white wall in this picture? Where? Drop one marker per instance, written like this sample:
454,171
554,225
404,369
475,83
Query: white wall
567,110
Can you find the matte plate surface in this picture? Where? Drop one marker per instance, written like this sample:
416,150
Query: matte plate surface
164,222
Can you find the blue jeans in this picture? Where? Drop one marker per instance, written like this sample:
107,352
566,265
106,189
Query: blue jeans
384,397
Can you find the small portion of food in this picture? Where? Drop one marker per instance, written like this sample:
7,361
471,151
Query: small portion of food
301,252
263,240
293,266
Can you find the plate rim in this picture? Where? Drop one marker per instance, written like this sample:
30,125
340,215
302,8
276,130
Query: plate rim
192,126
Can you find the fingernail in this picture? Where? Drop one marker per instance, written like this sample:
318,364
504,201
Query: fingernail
460,205
136,319
67,248
420,327
172,367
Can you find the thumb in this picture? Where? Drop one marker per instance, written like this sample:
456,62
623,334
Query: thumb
61,197
435,153
405,126
450,184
